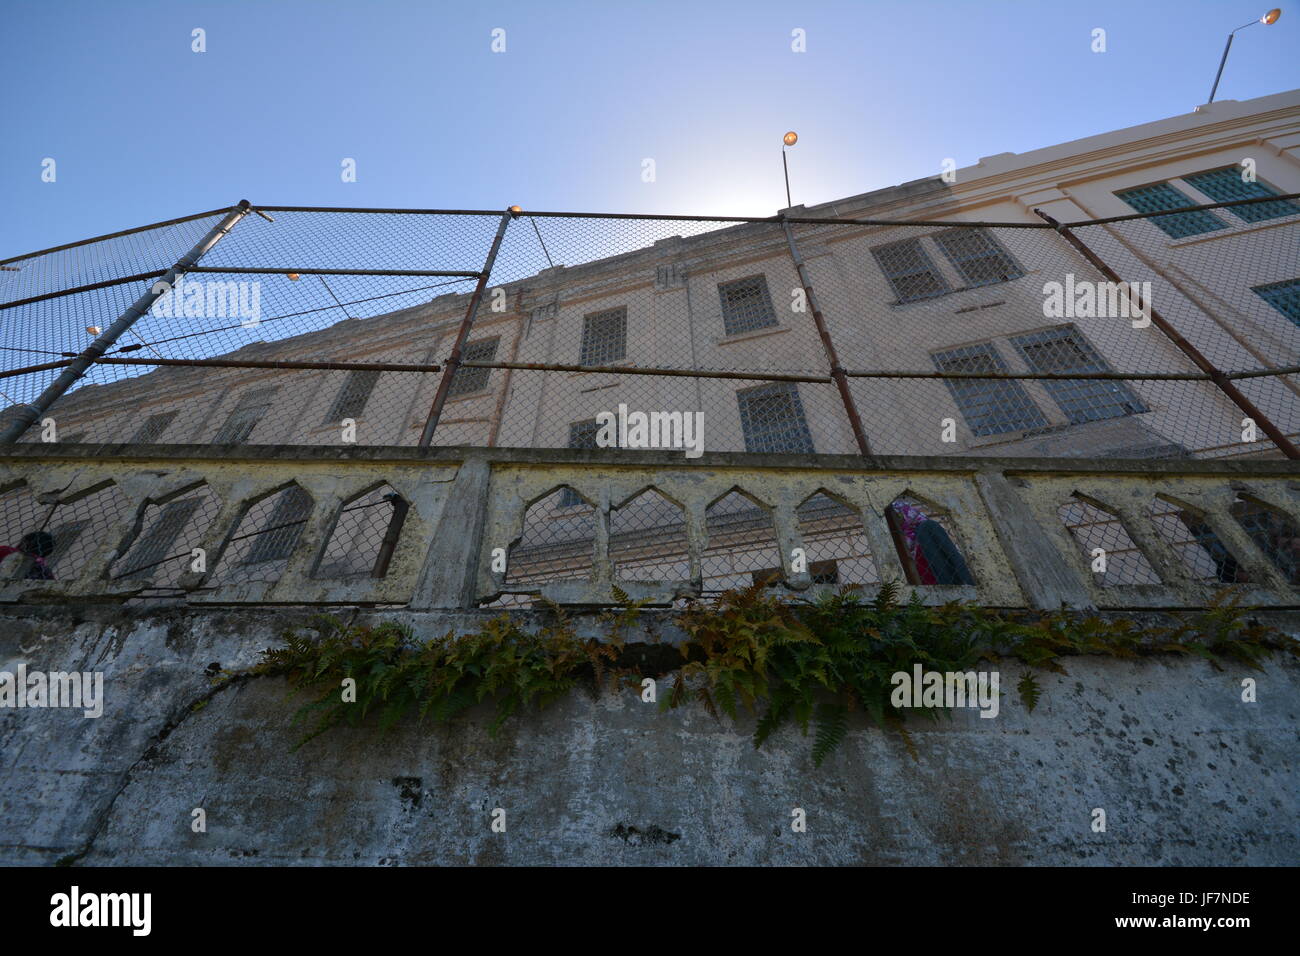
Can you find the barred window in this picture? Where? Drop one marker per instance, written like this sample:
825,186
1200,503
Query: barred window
279,536
471,380
990,406
1082,400
352,397
1225,185
158,541
772,419
1283,296
604,337
909,270
1162,196
746,305
978,256
243,419
152,429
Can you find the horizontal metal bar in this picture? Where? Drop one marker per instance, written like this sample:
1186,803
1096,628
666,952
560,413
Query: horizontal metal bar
647,217
116,235
1103,376
275,364
1182,209
755,375
285,270
138,277
44,367
636,370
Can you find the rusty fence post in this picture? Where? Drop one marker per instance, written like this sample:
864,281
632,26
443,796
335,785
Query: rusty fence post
837,371
1284,444
453,360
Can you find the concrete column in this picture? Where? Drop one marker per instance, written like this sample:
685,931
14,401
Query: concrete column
449,577
1047,581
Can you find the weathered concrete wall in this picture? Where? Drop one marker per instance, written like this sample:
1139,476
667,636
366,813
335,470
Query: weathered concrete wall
1186,772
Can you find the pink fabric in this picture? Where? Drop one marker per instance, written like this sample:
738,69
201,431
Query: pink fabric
912,518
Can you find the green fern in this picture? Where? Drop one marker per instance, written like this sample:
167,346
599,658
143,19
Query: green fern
1029,690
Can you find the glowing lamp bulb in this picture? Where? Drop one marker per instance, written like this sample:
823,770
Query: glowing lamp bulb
93,329
294,277
516,210
1271,16
790,138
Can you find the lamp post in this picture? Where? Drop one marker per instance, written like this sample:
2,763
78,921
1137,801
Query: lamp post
789,139
1267,19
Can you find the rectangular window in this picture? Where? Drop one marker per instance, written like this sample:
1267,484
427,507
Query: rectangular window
978,256
909,270
352,397
157,543
1225,185
280,534
1082,400
990,406
604,337
746,305
240,423
1283,296
772,419
1163,196
152,429
471,380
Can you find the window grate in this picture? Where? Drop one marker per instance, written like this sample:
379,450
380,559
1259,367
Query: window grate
352,397
471,380
1226,185
910,270
990,406
1283,296
746,305
1082,400
243,419
152,429
978,256
283,528
156,544
1162,196
772,419
604,337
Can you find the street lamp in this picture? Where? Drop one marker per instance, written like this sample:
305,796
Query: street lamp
1267,19
789,139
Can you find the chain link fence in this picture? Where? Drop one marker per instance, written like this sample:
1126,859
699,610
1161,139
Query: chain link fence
1169,334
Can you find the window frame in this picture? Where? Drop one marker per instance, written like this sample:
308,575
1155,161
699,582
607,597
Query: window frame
964,390
798,425
589,344
1059,390
765,308
881,254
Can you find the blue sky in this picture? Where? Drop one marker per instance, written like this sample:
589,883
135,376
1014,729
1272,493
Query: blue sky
143,129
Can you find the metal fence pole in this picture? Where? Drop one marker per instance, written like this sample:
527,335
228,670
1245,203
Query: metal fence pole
1284,444
78,366
453,360
837,371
